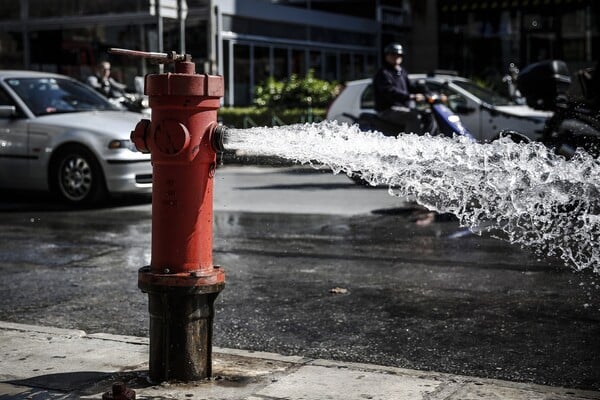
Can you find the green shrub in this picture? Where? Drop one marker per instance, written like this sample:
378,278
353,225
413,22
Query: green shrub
295,92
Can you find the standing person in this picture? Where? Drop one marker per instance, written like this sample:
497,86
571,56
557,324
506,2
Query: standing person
394,92
104,83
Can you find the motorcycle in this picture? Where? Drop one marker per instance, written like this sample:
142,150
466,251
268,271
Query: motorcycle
547,85
434,118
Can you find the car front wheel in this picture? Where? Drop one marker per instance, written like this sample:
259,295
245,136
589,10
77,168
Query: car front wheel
76,176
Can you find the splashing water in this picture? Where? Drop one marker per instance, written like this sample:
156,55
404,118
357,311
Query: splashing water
536,198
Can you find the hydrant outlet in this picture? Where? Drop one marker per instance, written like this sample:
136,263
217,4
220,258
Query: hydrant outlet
218,138
139,134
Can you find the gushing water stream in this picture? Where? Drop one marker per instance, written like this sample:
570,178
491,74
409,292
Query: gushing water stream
536,198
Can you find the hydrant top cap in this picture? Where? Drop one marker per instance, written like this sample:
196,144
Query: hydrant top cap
184,85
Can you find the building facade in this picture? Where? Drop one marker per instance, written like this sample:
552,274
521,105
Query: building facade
249,40
256,39
479,37
244,40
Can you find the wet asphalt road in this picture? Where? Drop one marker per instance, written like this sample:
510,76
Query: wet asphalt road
375,281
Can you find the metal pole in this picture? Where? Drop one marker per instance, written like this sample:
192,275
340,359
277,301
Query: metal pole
181,19
159,29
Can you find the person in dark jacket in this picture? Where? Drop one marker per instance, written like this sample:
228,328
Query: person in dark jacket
394,92
104,83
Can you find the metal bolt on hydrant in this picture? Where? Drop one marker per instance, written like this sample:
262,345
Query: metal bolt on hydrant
181,281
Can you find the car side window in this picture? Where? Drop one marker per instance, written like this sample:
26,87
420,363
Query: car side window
367,99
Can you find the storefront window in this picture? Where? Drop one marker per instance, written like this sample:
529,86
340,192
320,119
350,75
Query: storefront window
299,62
330,73
226,73
196,38
573,29
359,66
280,63
198,3
10,10
76,52
64,8
347,67
11,44
262,67
326,35
241,74
371,65
316,63
241,25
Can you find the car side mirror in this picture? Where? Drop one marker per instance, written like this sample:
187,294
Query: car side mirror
8,111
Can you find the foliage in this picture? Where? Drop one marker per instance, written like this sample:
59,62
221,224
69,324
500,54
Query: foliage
244,117
295,92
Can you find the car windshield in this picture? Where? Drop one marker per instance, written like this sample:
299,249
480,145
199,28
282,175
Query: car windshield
55,95
486,95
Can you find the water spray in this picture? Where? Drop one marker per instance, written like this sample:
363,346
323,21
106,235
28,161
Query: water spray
520,192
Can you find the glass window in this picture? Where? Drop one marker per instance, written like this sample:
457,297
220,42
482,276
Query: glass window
196,38
280,63
371,65
299,62
197,3
262,67
330,73
10,10
11,44
63,8
249,26
49,95
170,35
486,95
454,100
316,63
347,67
359,66
342,37
241,74
76,52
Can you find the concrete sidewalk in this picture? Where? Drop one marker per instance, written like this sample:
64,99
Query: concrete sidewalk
50,363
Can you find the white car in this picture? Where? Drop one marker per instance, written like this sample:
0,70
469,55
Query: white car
60,135
483,112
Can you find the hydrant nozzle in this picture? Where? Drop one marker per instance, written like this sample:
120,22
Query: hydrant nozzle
218,135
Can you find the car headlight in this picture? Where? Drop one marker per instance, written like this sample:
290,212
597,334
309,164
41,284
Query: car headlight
121,144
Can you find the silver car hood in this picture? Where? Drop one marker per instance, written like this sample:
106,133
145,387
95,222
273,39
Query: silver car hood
116,124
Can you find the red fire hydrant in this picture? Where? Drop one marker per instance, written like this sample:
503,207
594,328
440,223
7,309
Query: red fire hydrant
181,281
